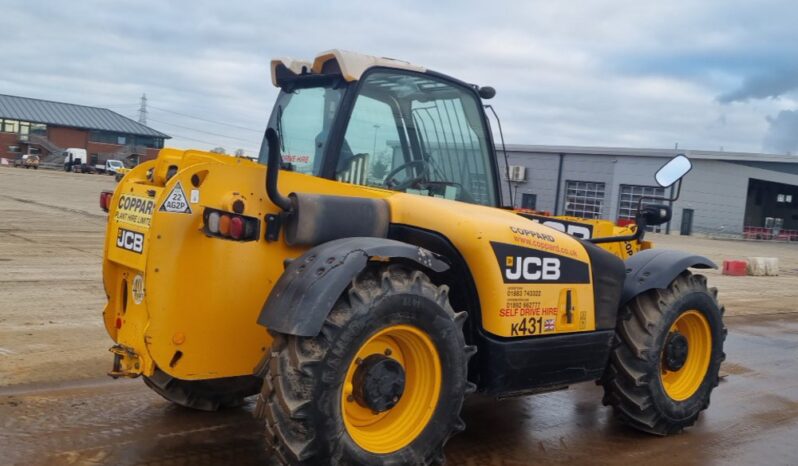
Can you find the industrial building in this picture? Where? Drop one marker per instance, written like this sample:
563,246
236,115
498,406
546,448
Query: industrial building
46,128
726,193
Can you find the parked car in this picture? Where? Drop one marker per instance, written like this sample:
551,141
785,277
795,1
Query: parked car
28,161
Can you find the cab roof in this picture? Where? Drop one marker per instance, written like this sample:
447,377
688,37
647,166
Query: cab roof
350,65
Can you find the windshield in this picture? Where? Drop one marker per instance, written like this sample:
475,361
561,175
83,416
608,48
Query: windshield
418,134
303,119
114,163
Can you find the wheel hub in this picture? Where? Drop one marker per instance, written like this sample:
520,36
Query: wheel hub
378,383
675,354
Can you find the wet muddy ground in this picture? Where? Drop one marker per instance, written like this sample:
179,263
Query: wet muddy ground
753,419
57,407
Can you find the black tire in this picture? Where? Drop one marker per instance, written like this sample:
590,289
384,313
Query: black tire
303,376
203,395
632,382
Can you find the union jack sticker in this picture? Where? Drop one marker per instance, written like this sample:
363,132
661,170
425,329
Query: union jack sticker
548,325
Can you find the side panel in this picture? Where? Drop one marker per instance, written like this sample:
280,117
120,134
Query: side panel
531,279
514,366
194,310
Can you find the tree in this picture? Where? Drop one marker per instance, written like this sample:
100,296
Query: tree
218,150
240,153
379,170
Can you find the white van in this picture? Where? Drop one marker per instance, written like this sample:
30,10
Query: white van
74,156
110,167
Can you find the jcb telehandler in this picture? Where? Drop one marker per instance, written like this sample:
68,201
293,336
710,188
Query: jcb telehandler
370,240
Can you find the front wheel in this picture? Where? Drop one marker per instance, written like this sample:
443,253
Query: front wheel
383,383
667,355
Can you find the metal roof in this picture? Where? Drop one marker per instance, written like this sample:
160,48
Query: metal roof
71,115
639,152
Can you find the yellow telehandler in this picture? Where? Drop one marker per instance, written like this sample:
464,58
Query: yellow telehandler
362,277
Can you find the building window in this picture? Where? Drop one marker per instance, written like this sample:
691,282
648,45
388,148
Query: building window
529,201
629,197
34,151
14,149
10,126
584,199
784,198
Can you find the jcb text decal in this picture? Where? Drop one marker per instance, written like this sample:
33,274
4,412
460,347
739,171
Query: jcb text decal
525,265
130,240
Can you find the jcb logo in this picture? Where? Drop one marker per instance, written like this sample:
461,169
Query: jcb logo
532,268
130,240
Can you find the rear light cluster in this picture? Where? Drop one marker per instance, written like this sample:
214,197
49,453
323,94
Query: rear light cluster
105,200
230,226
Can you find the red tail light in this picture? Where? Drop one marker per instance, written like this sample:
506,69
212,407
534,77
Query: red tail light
236,227
105,200
228,225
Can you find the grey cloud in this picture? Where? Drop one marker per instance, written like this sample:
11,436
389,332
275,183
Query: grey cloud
550,62
767,85
782,135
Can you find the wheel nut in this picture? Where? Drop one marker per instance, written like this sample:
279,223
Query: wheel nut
350,398
388,351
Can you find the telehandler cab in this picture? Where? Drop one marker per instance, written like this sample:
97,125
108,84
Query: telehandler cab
370,240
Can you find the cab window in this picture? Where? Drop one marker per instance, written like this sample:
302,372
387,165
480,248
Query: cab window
420,135
303,118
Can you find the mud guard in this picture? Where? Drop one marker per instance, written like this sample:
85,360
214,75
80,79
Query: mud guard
312,283
657,268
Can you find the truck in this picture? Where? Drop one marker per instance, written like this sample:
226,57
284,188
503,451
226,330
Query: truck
74,159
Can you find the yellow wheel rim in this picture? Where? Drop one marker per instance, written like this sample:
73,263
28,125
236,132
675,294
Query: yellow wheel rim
683,383
397,427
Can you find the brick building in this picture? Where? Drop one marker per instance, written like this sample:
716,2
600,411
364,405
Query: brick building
46,128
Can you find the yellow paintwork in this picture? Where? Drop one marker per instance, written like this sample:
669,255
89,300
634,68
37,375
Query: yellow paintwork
203,292
395,428
471,229
602,229
682,384
202,295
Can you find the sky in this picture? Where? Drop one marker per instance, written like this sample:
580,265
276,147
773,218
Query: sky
712,75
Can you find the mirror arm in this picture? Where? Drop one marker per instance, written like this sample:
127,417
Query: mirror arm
637,235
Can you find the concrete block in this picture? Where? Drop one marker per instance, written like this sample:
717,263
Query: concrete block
763,266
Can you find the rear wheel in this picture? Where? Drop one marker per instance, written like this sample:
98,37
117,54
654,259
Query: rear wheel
668,351
203,395
383,383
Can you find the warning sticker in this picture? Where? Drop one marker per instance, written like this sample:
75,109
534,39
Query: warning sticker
176,201
135,210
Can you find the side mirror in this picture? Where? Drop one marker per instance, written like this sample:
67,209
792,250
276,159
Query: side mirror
487,92
673,171
653,215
